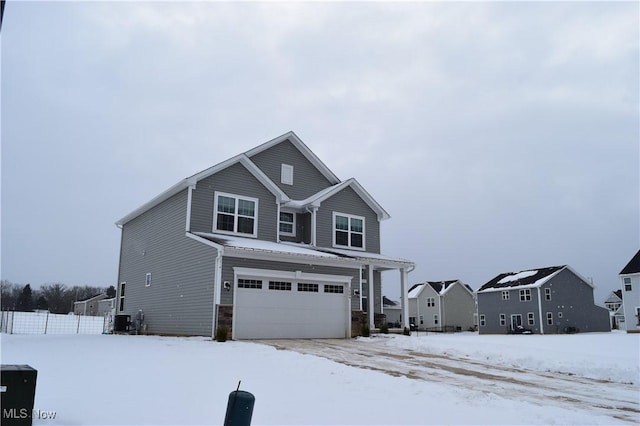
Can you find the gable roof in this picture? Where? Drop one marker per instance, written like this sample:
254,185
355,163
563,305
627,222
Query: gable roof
304,149
388,303
528,278
316,199
633,267
440,287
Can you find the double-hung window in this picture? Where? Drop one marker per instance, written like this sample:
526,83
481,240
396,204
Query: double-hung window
348,231
288,223
234,214
525,295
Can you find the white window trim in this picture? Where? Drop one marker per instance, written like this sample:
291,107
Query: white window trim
121,297
364,231
293,224
506,295
286,174
147,280
503,320
235,214
531,318
524,293
482,320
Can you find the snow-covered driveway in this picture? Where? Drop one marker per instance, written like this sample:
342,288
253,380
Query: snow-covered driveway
541,386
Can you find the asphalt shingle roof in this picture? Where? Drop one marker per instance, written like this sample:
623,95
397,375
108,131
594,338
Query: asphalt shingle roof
522,278
633,267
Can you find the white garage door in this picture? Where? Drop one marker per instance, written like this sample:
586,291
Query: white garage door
281,308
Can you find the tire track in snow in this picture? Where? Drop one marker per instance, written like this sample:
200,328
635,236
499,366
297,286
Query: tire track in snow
617,400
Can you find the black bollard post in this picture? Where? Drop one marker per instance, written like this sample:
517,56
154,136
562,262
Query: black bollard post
239,408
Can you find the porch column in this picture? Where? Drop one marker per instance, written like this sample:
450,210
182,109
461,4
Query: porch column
371,298
404,297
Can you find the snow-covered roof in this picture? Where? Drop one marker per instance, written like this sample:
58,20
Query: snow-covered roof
366,257
523,279
440,287
415,290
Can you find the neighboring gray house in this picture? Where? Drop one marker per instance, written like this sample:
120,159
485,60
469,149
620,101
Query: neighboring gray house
269,243
106,306
392,311
546,300
442,306
88,307
616,310
630,280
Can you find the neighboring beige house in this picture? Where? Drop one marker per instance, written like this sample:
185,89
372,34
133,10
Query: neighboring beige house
106,306
630,280
442,306
88,307
616,310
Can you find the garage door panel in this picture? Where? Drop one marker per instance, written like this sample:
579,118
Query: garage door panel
265,314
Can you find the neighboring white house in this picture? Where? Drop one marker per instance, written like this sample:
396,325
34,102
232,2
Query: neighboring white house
442,306
630,280
616,310
392,311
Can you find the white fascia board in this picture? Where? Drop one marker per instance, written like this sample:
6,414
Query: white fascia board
175,189
304,149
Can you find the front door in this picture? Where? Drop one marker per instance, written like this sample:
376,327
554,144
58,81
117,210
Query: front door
516,321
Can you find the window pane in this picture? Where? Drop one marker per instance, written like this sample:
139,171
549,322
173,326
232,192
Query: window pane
356,240
342,238
225,222
356,225
286,217
245,225
342,223
226,204
246,208
286,227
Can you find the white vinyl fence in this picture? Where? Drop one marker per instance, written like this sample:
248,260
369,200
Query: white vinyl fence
13,322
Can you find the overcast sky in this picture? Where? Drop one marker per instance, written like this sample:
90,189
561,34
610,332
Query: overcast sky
499,136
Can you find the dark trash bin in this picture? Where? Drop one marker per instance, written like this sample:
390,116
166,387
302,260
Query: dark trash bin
18,394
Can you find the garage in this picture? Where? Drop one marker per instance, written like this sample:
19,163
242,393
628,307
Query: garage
290,305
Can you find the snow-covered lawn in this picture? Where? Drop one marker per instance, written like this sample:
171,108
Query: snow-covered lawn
148,380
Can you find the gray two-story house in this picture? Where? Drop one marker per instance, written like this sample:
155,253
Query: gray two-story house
442,306
547,300
269,243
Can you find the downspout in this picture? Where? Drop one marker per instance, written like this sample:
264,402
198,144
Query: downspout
216,291
278,226
540,312
440,302
313,212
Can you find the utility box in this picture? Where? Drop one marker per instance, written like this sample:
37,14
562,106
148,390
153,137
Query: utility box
239,408
18,392
122,323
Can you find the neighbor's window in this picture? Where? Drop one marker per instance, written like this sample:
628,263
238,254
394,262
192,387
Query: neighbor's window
348,231
503,319
531,318
547,294
235,214
525,295
121,303
549,318
627,284
435,319
421,319
431,302
482,321
147,280
505,295
330,288
288,223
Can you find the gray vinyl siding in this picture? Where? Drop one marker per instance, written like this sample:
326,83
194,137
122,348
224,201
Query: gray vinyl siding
569,295
307,180
180,298
574,298
228,263
348,202
237,180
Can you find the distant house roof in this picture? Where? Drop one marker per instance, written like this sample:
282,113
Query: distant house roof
440,287
529,278
388,303
633,267
97,297
618,293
